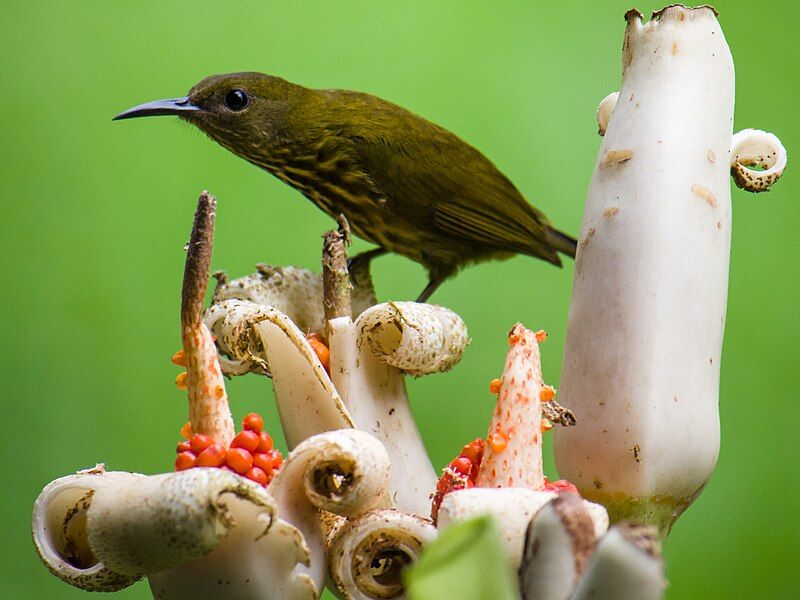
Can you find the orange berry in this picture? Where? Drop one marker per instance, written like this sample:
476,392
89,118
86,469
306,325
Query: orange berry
547,393
277,458
264,442
239,459
179,358
200,441
246,439
498,441
263,460
494,386
186,430
185,460
546,425
213,456
253,422
182,381
183,446
322,352
541,336
257,475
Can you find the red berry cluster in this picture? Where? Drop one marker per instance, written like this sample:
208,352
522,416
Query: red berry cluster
459,474
250,454
560,485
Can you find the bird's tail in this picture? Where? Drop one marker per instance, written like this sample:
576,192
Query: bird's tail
562,242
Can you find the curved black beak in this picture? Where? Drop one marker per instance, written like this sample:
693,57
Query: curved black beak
175,106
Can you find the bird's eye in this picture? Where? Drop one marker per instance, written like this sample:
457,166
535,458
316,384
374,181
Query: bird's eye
236,100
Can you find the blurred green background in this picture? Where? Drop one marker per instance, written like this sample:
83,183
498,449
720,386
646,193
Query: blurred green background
95,213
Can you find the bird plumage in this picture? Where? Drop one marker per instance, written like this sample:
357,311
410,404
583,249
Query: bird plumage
403,182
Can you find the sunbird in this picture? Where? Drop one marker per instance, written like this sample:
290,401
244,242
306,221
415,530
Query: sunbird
402,182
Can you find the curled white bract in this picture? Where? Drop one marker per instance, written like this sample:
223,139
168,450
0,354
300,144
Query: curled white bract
416,338
367,553
59,530
756,148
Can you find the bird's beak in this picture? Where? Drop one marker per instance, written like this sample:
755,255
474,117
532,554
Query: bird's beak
175,106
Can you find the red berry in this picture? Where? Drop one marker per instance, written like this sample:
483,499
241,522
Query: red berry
213,456
239,459
461,465
277,458
185,460
246,439
253,422
200,441
264,442
257,475
263,461
183,446
474,451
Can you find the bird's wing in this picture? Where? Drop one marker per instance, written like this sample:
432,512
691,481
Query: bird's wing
467,196
476,217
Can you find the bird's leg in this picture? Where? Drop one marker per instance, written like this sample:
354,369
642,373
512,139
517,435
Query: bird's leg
433,284
362,260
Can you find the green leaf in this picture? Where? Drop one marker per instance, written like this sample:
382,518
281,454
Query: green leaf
466,562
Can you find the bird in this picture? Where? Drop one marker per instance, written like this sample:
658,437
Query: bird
402,182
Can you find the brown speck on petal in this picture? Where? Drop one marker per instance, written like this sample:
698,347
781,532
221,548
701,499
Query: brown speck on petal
712,158
617,157
704,193
589,234
610,211
674,48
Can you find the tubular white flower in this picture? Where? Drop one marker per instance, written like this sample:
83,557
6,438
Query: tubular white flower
416,338
513,509
367,553
558,544
185,530
375,396
307,401
646,319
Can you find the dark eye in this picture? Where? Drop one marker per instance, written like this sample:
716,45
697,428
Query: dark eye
236,100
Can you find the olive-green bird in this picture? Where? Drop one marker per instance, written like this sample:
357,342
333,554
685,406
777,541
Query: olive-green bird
403,183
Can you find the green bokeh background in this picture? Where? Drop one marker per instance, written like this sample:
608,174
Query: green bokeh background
95,213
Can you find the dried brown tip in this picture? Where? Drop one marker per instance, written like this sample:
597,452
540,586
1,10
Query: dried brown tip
335,277
553,411
198,260
208,402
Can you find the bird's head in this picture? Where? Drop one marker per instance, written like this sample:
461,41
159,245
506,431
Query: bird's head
245,112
